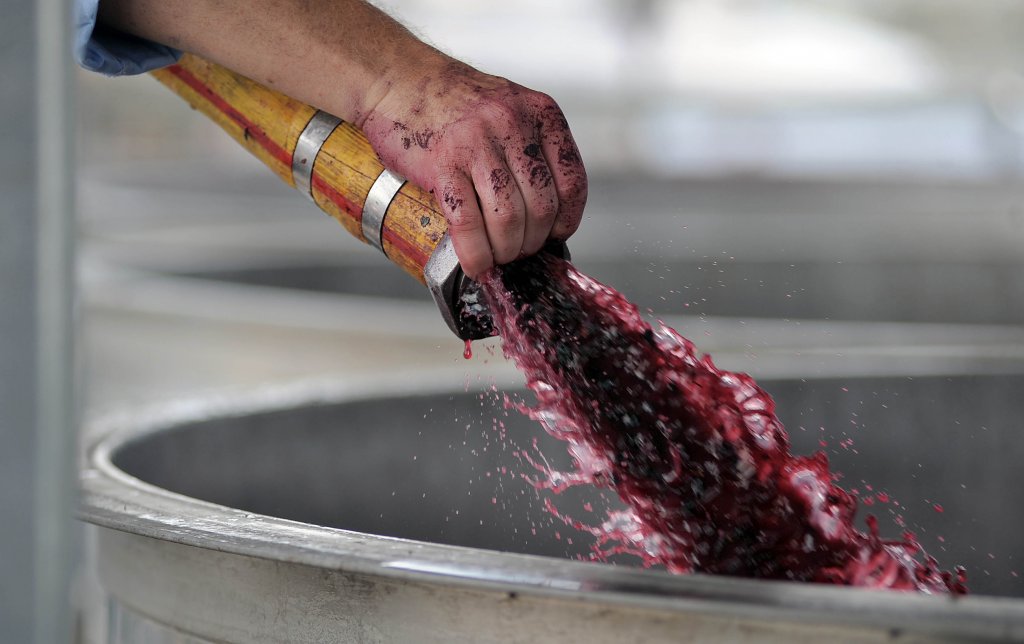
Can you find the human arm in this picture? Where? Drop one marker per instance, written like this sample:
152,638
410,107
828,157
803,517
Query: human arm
499,158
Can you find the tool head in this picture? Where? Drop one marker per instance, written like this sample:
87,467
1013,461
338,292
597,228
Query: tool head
459,298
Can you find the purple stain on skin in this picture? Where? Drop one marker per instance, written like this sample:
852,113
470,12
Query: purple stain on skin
540,176
568,155
532,151
499,179
398,126
423,139
453,202
554,119
556,130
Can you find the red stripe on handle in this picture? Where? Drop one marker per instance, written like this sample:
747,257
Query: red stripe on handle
337,198
404,247
252,130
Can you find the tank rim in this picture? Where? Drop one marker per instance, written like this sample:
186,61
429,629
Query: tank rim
112,498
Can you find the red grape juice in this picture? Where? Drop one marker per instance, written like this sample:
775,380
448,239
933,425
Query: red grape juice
696,453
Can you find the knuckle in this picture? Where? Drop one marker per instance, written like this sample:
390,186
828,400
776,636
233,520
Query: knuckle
545,103
553,120
454,154
453,202
538,174
445,178
508,215
500,183
497,112
461,220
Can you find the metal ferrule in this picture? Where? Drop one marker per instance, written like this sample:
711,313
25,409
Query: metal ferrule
446,281
308,147
375,207
458,298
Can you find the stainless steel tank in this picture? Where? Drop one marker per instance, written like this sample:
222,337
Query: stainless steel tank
337,512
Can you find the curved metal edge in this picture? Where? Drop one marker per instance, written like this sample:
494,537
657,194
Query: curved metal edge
320,126
125,625
113,499
458,298
443,275
375,207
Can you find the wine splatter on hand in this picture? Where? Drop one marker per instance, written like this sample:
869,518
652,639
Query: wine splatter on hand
696,453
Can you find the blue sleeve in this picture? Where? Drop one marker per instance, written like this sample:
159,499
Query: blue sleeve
114,53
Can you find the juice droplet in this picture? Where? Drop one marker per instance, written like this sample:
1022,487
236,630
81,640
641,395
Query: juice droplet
938,508
468,353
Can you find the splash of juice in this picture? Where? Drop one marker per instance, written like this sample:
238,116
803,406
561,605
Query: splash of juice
696,453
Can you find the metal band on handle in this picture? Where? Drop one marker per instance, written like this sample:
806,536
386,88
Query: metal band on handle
375,208
308,147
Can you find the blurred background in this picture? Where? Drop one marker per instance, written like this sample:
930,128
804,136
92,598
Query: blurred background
782,159
807,188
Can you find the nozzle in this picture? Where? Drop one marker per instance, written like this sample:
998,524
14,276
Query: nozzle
459,298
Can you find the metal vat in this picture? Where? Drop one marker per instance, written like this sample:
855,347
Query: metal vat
338,513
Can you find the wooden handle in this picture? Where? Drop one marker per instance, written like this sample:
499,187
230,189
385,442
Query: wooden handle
269,124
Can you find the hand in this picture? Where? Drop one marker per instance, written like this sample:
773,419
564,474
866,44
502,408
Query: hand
498,157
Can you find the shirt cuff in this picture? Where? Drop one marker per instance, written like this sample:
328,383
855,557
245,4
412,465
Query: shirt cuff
111,52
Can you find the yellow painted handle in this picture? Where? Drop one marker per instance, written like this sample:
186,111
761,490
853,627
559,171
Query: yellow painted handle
268,124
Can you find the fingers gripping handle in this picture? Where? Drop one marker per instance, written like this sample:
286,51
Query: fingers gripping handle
332,162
